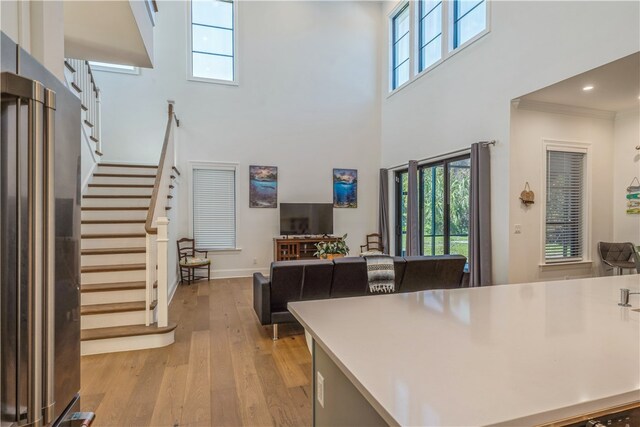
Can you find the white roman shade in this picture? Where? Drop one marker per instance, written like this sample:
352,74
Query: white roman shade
214,208
565,205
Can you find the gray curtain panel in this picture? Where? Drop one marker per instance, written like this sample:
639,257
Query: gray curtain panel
413,218
480,221
383,213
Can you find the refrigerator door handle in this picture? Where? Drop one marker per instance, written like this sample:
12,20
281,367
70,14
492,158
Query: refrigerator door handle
49,257
35,262
33,92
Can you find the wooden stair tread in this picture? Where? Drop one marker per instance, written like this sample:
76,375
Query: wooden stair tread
121,185
113,251
106,287
114,208
127,165
124,331
116,307
109,268
123,175
112,236
116,196
113,221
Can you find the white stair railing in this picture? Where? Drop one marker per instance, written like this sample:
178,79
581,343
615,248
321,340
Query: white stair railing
157,231
85,86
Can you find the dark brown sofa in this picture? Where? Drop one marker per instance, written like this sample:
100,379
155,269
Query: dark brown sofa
344,277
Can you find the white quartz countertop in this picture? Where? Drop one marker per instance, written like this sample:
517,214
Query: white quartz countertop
512,354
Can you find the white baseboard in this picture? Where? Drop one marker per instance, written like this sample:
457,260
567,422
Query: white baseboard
237,273
172,290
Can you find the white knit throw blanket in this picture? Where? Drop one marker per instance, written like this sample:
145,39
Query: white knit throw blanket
380,273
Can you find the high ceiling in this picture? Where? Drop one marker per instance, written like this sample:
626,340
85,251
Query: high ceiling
118,32
616,87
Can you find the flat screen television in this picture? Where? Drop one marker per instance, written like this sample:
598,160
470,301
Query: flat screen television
306,218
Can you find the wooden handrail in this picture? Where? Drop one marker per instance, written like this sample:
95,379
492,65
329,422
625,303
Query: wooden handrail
148,226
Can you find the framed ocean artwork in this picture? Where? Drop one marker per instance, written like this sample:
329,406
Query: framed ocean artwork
263,186
345,188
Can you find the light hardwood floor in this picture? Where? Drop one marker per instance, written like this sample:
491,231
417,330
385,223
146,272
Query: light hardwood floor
223,369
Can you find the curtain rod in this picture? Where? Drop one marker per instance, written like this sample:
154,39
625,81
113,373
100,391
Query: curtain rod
444,156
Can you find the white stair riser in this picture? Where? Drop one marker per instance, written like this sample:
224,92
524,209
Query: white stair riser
115,202
112,228
113,277
110,297
126,170
109,320
113,259
122,180
114,191
107,215
126,242
126,343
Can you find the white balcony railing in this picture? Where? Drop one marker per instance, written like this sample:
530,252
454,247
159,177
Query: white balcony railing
83,82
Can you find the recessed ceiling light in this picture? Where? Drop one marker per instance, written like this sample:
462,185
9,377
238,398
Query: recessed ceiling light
587,88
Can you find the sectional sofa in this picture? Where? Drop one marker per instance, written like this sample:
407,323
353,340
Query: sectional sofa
344,277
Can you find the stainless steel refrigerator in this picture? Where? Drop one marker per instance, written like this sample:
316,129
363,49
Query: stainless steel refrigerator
39,243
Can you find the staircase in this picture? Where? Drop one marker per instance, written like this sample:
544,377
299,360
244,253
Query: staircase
114,312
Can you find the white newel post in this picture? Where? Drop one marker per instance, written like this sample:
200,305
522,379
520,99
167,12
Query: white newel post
149,258
163,268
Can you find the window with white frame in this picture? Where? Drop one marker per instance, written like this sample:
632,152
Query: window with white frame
212,39
214,207
430,33
469,20
442,27
401,46
114,68
565,204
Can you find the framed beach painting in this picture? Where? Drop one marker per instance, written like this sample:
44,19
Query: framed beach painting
345,188
263,186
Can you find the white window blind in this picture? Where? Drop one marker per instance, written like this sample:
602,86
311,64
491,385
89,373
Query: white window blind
214,208
565,206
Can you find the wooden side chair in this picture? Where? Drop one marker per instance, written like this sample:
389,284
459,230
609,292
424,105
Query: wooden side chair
374,244
190,263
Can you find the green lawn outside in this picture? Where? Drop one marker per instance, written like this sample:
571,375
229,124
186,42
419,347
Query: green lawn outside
459,245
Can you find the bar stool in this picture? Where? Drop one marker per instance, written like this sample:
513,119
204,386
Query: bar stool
619,256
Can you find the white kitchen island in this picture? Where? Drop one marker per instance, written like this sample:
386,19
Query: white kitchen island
523,354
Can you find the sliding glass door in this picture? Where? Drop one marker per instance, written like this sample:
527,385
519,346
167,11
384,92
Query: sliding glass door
443,200
432,209
459,192
402,197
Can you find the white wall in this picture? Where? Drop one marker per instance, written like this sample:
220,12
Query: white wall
528,129
307,101
626,166
467,98
38,26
